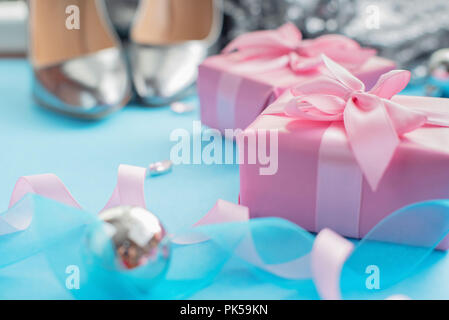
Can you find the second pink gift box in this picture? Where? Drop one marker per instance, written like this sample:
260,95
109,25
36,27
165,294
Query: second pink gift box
346,157
256,68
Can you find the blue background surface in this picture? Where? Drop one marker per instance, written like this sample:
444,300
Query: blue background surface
86,155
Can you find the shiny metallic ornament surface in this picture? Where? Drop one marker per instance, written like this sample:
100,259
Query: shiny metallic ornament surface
139,239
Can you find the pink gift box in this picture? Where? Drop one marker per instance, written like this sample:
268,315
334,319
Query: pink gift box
232,93
316,190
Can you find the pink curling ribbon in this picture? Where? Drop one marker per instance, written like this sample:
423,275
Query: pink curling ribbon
373,123
128,191
286,47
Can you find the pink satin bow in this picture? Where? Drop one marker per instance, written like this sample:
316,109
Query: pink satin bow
373,123
285,47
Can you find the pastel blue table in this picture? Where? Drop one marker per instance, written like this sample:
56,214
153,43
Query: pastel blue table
86,155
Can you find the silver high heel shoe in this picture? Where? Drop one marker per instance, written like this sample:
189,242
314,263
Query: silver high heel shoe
165,66
79,69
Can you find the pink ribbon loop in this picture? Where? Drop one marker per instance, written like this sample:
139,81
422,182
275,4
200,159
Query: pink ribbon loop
373,123
128,191
287,46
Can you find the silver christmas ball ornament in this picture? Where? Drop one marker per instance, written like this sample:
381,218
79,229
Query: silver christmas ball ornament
138,238
131,241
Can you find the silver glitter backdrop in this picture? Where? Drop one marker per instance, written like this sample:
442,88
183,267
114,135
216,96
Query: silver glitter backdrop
404,30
